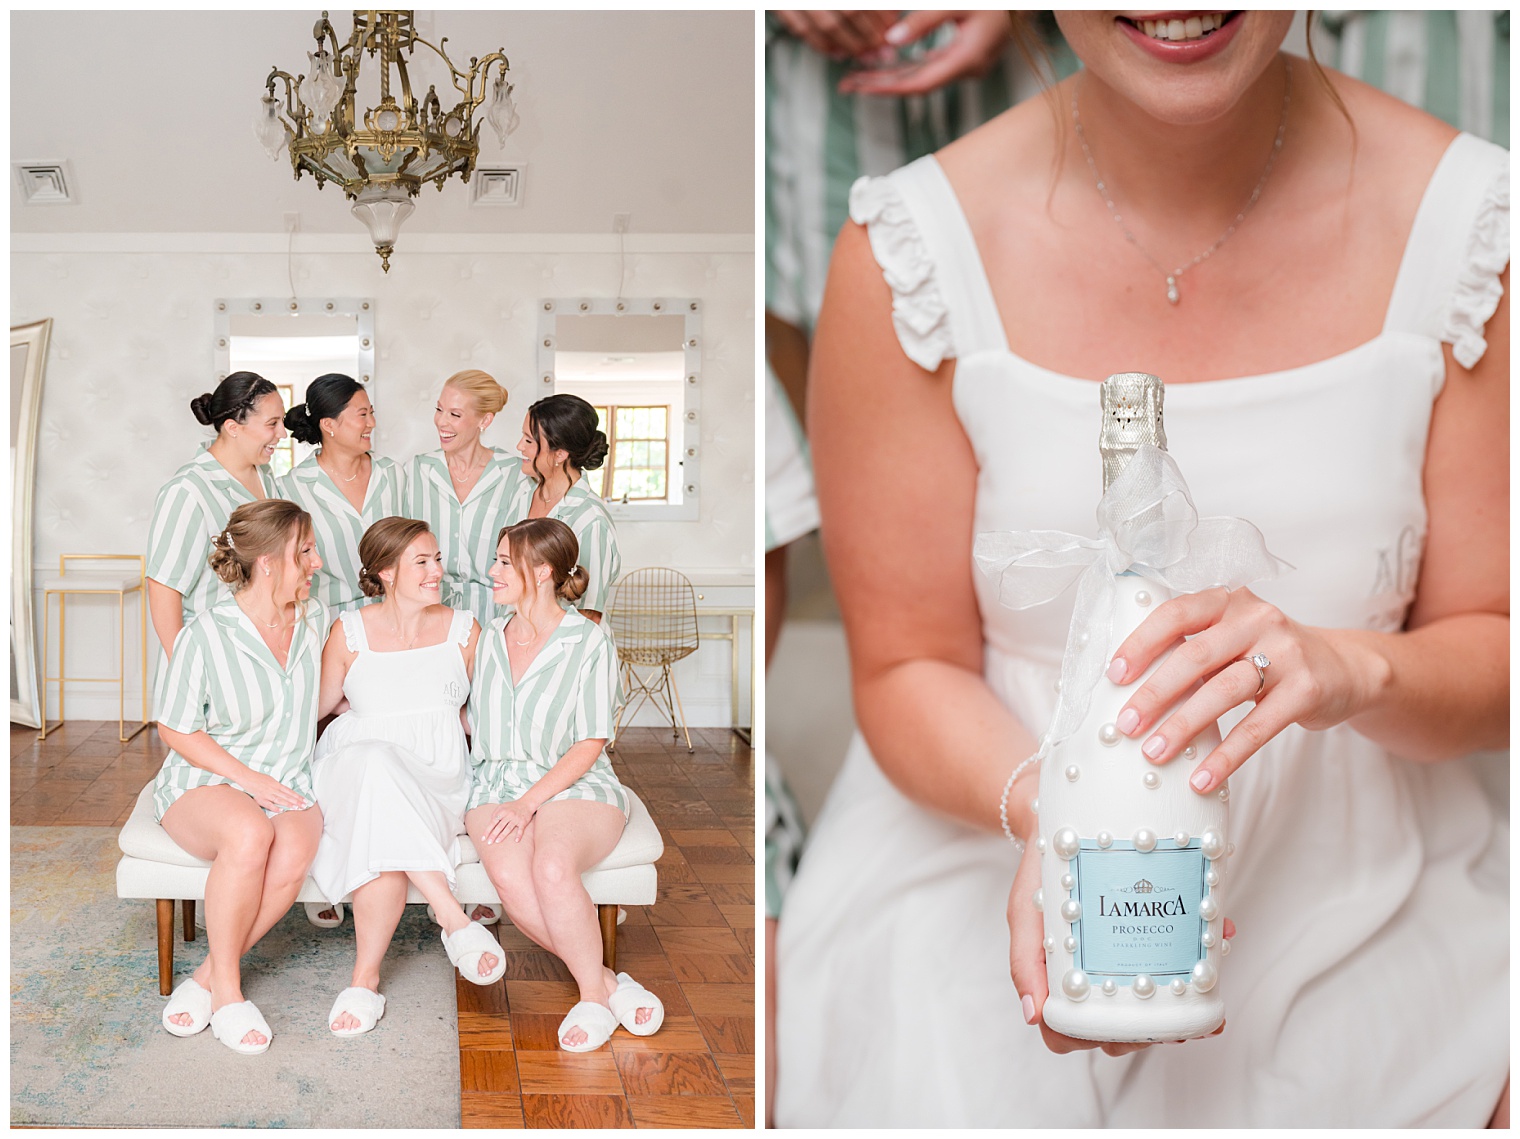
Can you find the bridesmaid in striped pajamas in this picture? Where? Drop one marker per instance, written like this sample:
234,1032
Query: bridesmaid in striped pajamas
344,486
463,489
545,805
240,718
246,413
560,440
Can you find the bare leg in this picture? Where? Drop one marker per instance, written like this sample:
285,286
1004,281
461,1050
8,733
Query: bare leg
377,908
226,827
509,866
574,835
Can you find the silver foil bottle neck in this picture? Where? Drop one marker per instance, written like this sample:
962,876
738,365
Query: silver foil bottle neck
1131,417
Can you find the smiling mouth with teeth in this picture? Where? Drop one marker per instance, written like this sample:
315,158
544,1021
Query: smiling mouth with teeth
1181,30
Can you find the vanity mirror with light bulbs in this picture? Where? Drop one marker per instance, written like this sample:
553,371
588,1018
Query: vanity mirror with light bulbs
639,363
291,341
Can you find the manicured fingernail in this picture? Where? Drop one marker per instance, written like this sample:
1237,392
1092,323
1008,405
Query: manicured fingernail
1028,1003
1201,779
1128,721
897,35
1116,670
1154,747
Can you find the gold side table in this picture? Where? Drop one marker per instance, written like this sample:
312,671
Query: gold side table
108,582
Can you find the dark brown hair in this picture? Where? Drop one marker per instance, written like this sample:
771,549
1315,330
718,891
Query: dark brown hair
233,399
547,541
381,549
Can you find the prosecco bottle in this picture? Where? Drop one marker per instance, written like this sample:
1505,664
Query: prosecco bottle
1133,859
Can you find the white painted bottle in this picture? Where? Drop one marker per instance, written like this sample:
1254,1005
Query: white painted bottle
1133,859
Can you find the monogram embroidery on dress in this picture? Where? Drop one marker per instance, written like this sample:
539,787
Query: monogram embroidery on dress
453,689
1398,568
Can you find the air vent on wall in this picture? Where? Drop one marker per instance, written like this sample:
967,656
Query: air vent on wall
497,186
45,183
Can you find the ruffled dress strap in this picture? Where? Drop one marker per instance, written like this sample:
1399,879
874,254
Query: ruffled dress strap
353,631
459,628
1448,283
942,304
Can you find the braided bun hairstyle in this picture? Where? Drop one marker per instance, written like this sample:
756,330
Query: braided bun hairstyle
326,398
233,399
536,542
567,423
487,396
255,530
381,549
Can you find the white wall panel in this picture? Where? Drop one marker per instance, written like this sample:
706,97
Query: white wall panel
132,344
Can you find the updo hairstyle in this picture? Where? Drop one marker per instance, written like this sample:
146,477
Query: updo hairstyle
326,398
256,529
483,391
547,541
233,399
381,549
568,423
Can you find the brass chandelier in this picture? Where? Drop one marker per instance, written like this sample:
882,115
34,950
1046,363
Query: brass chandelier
381,156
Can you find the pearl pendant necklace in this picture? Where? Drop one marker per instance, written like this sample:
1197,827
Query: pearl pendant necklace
1173,293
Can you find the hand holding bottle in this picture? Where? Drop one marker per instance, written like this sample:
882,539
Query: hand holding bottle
1026,960
1316,677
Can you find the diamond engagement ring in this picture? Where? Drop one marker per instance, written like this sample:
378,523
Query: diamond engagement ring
1260,662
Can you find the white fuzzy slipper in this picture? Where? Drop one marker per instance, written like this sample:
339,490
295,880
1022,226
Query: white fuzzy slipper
364,1005
464,948
596,1021
231,1023
188,997
628,999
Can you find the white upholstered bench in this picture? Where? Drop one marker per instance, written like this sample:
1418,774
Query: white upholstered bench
153,866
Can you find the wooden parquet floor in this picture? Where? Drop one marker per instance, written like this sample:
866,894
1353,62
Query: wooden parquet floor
695,947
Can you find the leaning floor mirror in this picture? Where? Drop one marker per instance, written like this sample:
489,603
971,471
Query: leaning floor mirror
29,349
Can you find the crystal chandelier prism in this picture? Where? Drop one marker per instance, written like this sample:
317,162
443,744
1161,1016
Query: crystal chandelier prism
382,156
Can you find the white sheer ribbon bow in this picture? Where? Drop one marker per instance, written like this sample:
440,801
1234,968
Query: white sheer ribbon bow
1147,526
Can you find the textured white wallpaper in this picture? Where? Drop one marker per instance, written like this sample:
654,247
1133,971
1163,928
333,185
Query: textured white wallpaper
132,344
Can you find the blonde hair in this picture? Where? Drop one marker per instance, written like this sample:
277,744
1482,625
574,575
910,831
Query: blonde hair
547,542
255,530
381,549
484,392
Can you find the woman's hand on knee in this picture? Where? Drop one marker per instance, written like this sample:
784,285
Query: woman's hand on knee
270,793
509,821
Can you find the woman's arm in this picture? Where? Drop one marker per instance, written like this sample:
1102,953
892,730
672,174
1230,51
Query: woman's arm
896,485
200,750
336,660
167,608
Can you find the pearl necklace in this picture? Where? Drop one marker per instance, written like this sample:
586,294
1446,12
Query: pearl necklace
1172,293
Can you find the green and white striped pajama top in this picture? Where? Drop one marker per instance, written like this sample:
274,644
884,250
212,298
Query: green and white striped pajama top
466,531
339,526
191,509
587,515
519,731
224,681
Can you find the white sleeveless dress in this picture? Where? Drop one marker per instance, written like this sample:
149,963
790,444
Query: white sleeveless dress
1368,984
392,774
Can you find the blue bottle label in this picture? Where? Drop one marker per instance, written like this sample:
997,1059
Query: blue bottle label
1139,909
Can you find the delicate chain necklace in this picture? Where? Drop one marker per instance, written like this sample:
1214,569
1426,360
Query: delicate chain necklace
396,625
470,472
1172,293
333,474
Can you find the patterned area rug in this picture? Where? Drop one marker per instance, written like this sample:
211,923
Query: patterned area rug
87,1047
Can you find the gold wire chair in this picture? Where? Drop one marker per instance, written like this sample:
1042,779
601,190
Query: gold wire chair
653,617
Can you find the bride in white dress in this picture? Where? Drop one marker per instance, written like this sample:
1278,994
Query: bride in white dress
1337,373
392,773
